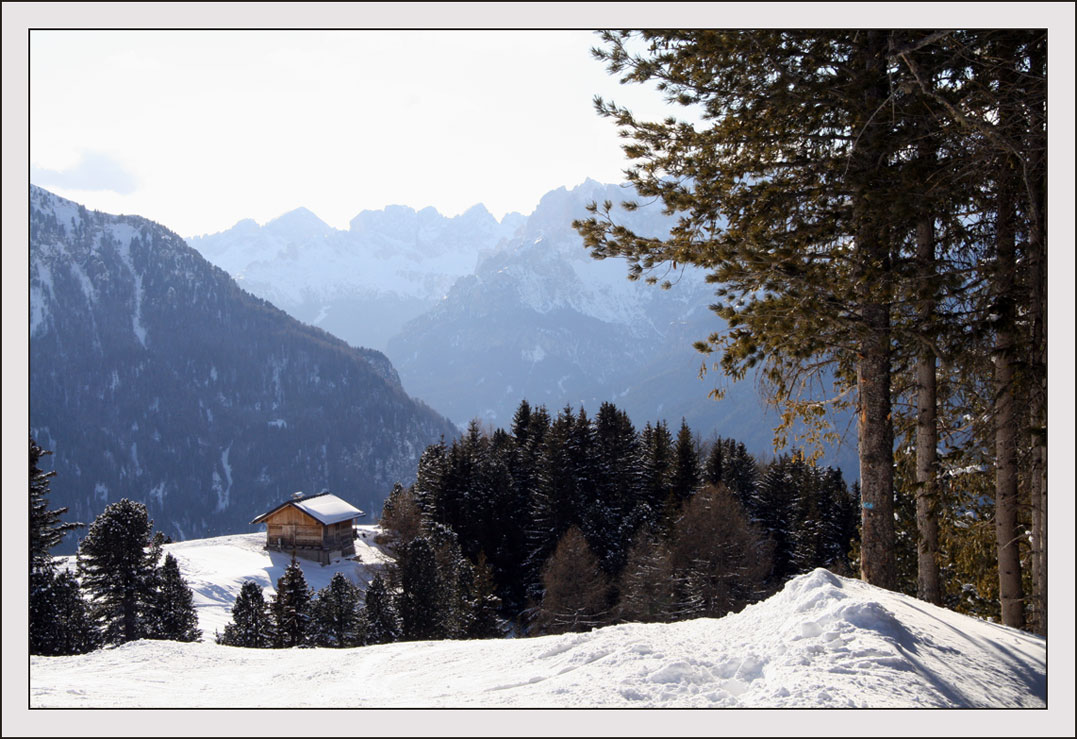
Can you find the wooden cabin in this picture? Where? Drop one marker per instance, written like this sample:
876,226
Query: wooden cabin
317,527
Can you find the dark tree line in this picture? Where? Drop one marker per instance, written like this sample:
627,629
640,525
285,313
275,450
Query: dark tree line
413,601
871,206
575,522
122,591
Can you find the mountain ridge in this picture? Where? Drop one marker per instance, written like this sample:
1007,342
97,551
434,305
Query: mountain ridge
534,316
154,376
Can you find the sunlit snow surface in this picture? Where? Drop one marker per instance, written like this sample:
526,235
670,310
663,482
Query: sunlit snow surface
823,641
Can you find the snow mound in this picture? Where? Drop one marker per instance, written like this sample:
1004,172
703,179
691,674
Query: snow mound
823,641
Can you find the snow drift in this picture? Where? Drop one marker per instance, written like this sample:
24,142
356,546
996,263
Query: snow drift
823,641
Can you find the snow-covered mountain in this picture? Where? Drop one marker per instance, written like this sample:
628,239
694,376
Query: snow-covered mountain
541,319
478,315
823,641
362,284
153,376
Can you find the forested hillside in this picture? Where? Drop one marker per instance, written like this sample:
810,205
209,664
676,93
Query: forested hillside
154,377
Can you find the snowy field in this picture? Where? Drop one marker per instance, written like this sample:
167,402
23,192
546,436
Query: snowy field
822,642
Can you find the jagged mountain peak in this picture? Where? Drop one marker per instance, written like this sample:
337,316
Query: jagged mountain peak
298,223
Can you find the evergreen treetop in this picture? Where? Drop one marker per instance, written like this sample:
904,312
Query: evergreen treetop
117,563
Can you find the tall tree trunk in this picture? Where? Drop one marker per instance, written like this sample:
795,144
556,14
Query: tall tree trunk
1037,246
928,585
875,426
927,435
1005,414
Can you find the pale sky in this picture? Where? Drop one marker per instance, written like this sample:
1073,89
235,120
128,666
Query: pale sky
198,129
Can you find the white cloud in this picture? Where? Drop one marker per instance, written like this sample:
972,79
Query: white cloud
94,171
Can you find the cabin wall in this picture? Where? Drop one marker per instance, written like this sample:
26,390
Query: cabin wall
290,529
340,537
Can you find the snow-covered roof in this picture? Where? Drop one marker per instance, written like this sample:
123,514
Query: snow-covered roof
326,508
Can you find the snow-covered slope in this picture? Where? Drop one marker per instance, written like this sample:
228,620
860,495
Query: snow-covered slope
217,568
823,641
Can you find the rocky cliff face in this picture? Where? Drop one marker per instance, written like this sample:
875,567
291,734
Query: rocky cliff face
154,376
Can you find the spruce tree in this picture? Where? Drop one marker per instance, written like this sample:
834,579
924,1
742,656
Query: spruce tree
612,517
657,472
422,608
685,478
291,609
713,467
647,584
555,502
172,614
482,602
774,506
526,468
250,625
46,528
335,620
117,562
59,618
430,479
380,617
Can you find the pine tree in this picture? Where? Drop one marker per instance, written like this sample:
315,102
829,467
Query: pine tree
46,528
59,618
647,583
172,614
117,563
380,617
291,609
657,471
782,193
482,601
612,518
422,608
250,625
335,621
803,193
555,502
686,471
